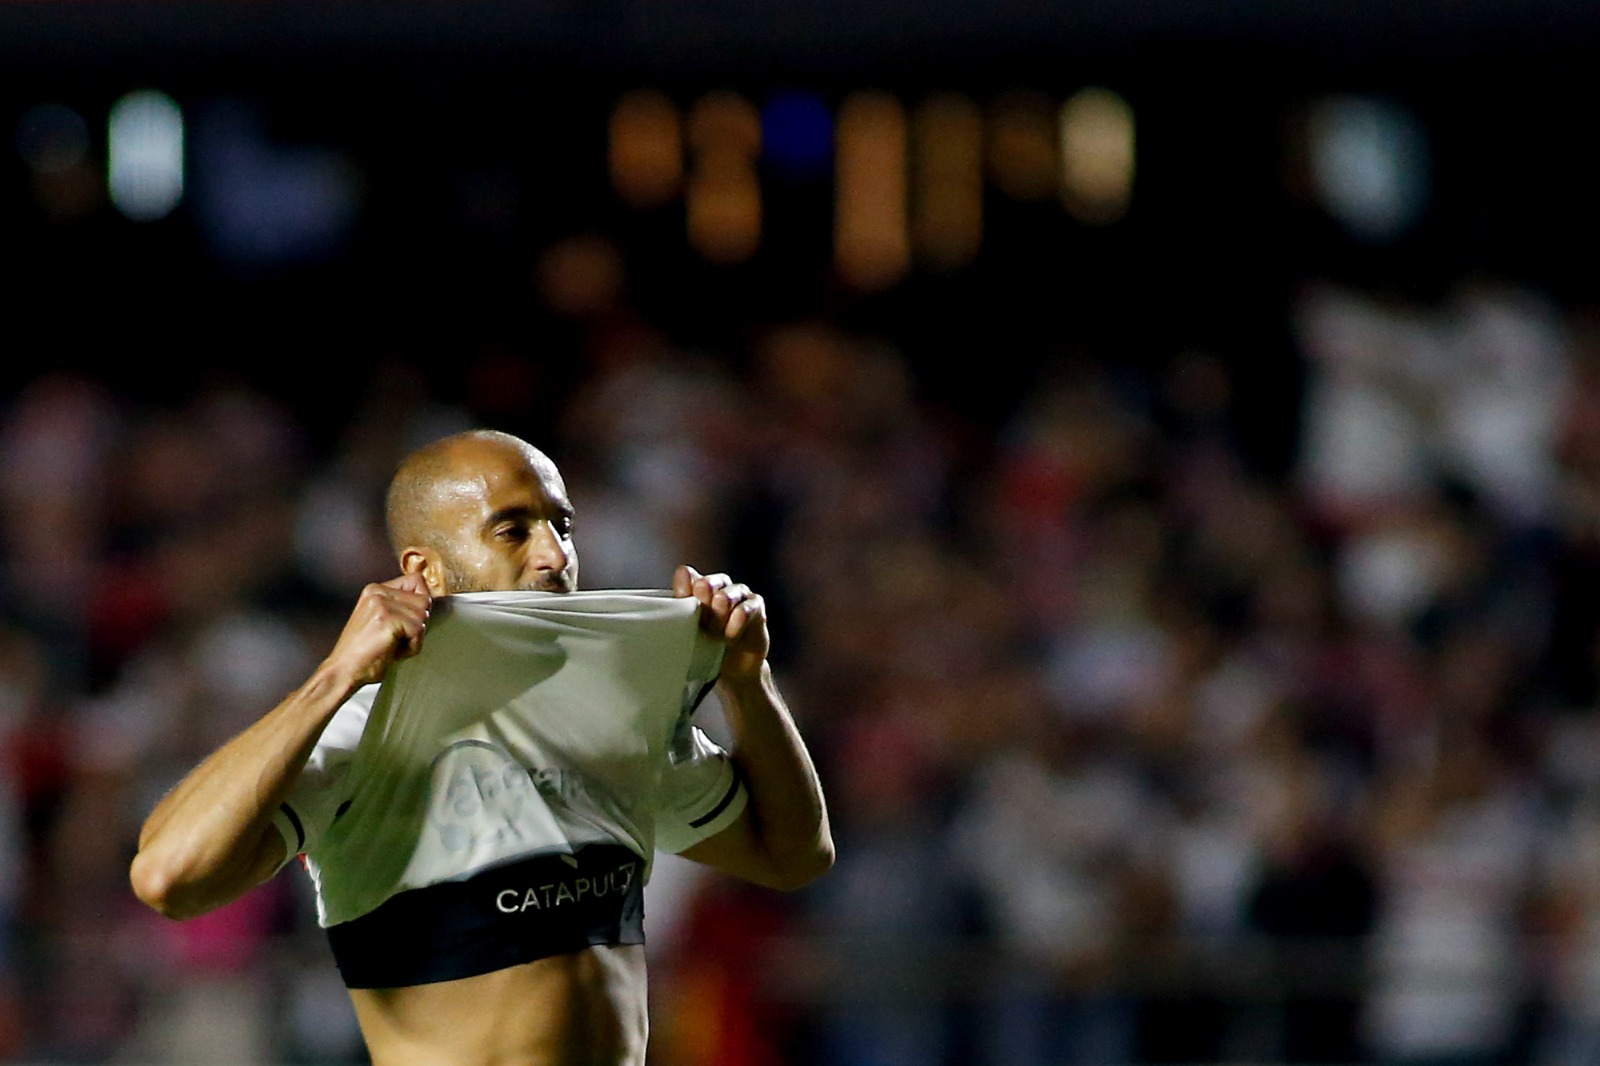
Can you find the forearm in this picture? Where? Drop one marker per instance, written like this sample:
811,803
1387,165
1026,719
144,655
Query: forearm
206,842
785,806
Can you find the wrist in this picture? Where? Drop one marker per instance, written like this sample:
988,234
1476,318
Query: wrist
330,681
742,685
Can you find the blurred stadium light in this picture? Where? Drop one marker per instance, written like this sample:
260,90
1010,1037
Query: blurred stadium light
1370,162
145,149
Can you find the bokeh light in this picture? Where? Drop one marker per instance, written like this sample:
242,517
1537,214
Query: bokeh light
646,148
947,168
871,230
724,190
1369,161
145,145
1097,155
797,133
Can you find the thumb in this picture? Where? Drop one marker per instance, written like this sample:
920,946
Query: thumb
683,581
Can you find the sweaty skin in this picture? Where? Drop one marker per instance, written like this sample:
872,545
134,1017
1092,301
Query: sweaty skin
484,511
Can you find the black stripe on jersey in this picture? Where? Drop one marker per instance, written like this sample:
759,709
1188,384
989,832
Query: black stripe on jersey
299,830
722,805
700,697
550,904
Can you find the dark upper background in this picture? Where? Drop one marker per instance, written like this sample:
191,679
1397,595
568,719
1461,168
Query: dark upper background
477,129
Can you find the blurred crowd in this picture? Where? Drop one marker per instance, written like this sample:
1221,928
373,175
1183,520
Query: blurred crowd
1135,753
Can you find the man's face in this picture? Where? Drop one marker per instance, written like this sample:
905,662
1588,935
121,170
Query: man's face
506,524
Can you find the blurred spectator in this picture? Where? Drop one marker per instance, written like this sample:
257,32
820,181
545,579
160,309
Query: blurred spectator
1403,397
57,443
1315,896
338,540
1455,837
1054,820
1566,915
721,1005
890,926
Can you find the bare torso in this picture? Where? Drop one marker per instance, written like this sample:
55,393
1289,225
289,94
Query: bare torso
583,1009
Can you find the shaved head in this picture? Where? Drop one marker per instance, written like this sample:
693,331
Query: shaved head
432,478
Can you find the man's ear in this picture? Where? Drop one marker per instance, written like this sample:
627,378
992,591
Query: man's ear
426,562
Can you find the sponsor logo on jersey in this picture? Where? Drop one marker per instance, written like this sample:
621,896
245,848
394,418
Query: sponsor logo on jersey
568,890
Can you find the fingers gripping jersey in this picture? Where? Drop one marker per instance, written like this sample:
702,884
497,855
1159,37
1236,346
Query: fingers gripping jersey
499,797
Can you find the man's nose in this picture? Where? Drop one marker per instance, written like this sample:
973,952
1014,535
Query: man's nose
546,549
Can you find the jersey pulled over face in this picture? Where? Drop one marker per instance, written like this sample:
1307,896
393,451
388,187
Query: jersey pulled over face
505,522
499,797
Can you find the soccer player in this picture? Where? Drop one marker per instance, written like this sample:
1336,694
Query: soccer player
479,820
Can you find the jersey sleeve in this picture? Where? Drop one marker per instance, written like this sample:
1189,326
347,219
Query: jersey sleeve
320,791
701,792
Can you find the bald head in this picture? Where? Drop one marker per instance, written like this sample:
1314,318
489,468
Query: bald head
430,474
476,490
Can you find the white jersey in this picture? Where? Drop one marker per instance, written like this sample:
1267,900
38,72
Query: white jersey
499,797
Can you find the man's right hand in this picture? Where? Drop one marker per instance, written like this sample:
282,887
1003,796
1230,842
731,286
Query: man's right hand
210,839
387,624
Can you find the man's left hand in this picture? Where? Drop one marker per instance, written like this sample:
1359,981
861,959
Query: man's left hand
734,613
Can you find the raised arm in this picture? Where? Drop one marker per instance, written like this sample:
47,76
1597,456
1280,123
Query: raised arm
782,839
211,838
